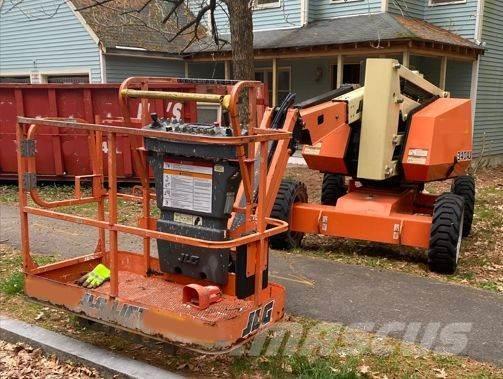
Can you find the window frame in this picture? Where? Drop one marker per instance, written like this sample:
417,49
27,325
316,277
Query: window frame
445,2
18,76
268,70
343,1
23,74
45,74
257,6
333,75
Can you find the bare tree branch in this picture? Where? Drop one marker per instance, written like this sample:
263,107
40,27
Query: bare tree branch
95,3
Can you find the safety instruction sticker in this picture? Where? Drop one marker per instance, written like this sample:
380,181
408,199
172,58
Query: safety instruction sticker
187,186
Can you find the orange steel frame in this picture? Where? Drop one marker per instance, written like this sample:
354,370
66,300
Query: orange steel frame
396,216
54,283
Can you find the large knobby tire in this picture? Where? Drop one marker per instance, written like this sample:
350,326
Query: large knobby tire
290,192
464,186
446,233
332,189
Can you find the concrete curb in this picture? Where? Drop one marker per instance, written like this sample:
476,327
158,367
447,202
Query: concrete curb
66,348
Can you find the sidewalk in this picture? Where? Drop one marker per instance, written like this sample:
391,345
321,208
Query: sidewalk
66,348
401,305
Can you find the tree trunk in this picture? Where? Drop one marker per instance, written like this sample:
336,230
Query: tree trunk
241,27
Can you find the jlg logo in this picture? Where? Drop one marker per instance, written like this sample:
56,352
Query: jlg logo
255,320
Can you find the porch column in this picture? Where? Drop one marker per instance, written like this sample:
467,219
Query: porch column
274,82
406,59
340,70
443,72
186,69
227,70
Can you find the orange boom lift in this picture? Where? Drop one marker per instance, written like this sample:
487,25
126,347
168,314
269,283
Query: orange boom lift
377,146
222,199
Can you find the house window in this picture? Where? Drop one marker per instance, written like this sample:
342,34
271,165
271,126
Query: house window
208,113
264,75
445,2
350,74
68,79
261,4
15,79
344,1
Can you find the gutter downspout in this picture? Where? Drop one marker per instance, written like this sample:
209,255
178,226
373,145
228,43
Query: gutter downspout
384,5
304,12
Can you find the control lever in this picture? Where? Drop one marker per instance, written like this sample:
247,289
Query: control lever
155,121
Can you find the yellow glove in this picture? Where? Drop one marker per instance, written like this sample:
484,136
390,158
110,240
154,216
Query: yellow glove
96,277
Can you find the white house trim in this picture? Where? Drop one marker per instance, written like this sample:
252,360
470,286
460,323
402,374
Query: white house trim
103,68
15,73
431,4
476,64
41,75
143,56
130,48
272,29
258,7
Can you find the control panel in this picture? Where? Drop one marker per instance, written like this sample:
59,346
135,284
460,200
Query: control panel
178,126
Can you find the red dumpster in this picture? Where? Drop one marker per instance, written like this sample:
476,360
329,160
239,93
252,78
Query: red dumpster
63,154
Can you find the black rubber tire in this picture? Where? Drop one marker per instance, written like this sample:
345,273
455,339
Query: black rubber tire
446,233
332,189
464,186
290,192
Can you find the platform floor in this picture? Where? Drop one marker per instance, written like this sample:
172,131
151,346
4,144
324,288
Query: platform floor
167,296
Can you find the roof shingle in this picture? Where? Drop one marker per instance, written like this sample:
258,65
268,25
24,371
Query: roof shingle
130,23
372,28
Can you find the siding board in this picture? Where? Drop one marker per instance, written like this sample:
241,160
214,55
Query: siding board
489,108
326,9
210,70
121,67
31,38
408,8
457,18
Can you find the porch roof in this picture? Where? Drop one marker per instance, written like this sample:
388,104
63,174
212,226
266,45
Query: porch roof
370,31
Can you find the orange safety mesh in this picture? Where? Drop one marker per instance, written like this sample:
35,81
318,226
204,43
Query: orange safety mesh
167,296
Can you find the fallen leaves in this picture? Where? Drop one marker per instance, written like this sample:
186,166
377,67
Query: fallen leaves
364,369
23,361
440,373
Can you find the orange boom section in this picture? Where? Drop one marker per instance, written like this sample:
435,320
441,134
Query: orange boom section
439,143
329,132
